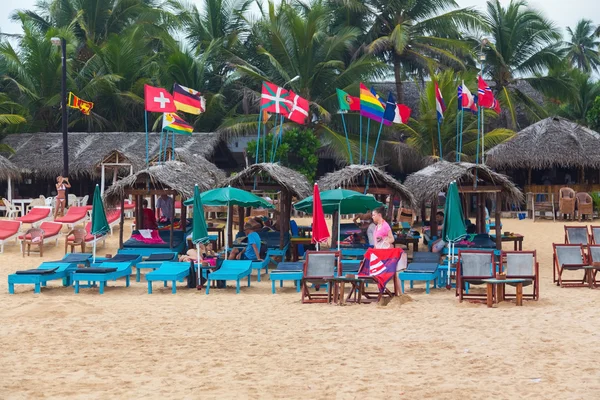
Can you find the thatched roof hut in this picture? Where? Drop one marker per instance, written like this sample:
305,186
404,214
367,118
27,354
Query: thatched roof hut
8,170
186,156
356,177
41,153
551,142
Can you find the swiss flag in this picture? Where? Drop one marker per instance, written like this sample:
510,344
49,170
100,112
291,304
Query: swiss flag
298,108
158,100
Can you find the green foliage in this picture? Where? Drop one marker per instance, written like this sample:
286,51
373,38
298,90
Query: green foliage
596,200
297,150
593,115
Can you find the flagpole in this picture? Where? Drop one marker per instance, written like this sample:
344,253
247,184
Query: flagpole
377,142
173,147
360,140
440,139
462,118
347,140
258,135
166,144
367,141
160,145
482,140
264,159
477,148
147,149
457,139
277,138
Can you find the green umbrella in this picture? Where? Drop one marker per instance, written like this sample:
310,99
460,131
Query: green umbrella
230,196
200,231
342,200
99,222
454,222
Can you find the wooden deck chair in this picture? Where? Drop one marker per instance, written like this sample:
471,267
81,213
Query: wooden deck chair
594,261
381,258
570,257
566,202
577,235
595,236
523,265
473,267
319,268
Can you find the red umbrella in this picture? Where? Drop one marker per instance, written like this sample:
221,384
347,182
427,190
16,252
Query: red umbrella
320,232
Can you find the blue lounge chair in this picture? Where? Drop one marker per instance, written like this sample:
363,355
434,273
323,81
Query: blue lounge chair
169,271
231,270
48,271
287,271
424,267
110,271
153,261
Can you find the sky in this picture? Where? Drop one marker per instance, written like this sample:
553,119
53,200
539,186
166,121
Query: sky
563,13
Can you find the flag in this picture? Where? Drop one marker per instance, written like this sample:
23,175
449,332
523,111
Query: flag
467,100
273,99
265,116
377,96
187,100
174,123
485,95
460,97
440,106
84,106
496,106
298,108
381,265
158,100
402,114
370,106
347,102
390,110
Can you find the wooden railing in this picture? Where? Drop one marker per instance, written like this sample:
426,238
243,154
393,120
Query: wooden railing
554,189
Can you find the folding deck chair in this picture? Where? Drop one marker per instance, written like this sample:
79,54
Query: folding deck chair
379,264
231,270
523,265
169,271
570,257
319,268
473,267
577,235
595,234
594,261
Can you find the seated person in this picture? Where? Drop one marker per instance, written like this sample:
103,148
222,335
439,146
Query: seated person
252,250
149,221
366,224
192,254
439,217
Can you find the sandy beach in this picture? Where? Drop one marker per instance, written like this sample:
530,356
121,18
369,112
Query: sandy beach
128,344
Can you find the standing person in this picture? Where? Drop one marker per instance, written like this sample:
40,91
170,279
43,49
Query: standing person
62,184
252,251
165,205
149,218
383,236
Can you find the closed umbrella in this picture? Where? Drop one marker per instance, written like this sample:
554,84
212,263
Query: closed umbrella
454,222
99,222
200,231
320,231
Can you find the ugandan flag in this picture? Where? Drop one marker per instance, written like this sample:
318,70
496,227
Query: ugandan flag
84,106
187,100
174,123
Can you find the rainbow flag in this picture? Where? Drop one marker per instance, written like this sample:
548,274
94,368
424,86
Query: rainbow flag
370,106
174,123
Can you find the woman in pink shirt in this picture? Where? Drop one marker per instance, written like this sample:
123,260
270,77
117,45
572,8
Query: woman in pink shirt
384,238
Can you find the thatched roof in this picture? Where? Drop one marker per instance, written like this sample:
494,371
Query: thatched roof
430,181
8,170
551,142
186,156
41,153
172,175
356,175
271,174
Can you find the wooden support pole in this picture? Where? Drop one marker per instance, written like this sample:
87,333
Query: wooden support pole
283,202
183,215
432,218
230,225
497,222
529,176
335,235
172,223
122,222
241,214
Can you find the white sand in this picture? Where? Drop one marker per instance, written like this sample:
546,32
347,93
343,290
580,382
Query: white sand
128,344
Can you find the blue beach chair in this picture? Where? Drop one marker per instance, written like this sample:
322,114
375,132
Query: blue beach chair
231,270
110,271
424,267
169,271
153,261
287,271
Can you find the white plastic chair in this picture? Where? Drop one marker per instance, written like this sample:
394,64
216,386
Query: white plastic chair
73,200
12,211
84,200
40,201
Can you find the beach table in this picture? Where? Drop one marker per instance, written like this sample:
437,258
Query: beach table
407,240
297,241
497,287
219,228
304,230
339,289
517,240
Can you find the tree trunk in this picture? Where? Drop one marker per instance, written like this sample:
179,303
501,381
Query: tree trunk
399,83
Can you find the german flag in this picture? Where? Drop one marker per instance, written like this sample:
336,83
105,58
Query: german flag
174,123
187,100
84,106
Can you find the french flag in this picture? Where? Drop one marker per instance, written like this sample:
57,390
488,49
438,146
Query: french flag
440,106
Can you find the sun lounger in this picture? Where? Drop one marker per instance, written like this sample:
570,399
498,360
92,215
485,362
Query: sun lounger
88,239
109,271
36,216
523,265
48,271
153,261
169,271
231,270
594,261
424,267
51,231
287,271
473,266
74,216
577,235
9,230
319,268
570,257
113,218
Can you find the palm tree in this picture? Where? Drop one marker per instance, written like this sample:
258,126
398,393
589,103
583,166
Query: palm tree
582,48
576,106
417,37
523,45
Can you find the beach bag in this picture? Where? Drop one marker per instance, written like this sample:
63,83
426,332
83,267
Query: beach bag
192,279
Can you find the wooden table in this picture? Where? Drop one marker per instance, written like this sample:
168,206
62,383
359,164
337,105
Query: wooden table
407,241
516,239
339,288
499,285
297,241
220,229
304,230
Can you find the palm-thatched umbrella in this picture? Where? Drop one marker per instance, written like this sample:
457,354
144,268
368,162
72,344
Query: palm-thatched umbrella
8,170
273,176
477,179
549,143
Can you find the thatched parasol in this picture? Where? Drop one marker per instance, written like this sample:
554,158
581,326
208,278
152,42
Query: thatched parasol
358,176
41,153
551,142
186,156
427,183
271,174
8,170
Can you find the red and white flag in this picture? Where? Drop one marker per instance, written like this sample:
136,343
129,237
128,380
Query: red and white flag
298,108
485,97
402,114
274,99
158,100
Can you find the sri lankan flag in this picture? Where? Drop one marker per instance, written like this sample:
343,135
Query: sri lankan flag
84,106
187,100
174,123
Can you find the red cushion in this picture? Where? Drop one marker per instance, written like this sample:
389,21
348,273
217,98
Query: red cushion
88,238
129,206
36,214
113,216
5,234
50,229
74,214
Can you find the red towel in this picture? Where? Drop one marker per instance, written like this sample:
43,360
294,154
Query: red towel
155,239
